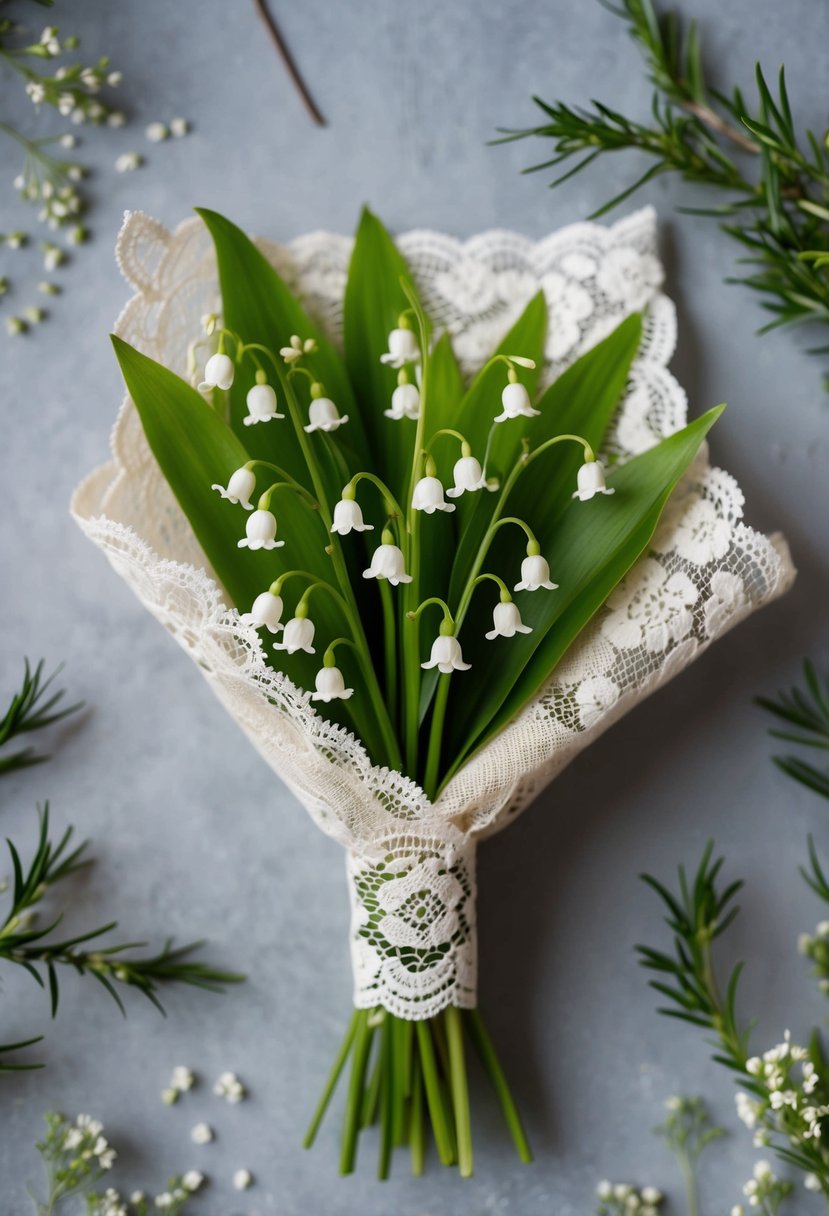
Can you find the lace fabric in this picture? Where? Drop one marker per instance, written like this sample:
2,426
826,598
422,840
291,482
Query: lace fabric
411,863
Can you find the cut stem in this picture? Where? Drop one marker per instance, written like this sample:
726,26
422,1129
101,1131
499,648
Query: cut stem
460,1091
331,1083
483,1044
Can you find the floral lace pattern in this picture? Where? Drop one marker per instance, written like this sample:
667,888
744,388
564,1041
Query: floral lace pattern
411,862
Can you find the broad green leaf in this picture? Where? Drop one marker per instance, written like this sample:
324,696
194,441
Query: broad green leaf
195,449
374,300
259,307
593,546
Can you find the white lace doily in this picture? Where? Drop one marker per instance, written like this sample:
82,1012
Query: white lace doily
411,863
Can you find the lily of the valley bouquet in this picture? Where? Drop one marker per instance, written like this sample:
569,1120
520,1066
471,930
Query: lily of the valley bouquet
421,578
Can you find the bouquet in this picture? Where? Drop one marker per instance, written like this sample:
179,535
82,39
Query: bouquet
420,577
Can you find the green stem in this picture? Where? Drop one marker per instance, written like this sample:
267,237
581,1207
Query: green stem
390,644
486,1051
411,597
386,1101
331,1083
460,1092
440,1116
690,1183
416,1128
430,781
355,623
359,1059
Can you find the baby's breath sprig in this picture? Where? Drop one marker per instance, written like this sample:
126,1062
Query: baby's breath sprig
25,944
687,1131
776,208
32,708
622,1199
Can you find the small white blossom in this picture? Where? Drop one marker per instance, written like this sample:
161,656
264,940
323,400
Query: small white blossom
192,1180
506,622
261,403
266,610
403,348
202,1133
239,488
128,161
330,686
219,371
114,79
535,574
230,1087
68,141
349,518
179,127
446,655
183,1078
297,348
428,496
590,481
53,256
260,532
116,119
387,562
36,91
169,1096
405,402
242,1179
811,1182
651,1195
156,132
164,1200
323,415
747,1110
66,104
468,477
605,1190
516,403
298,635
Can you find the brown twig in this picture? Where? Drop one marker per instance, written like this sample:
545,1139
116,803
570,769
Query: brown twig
713,120
288,60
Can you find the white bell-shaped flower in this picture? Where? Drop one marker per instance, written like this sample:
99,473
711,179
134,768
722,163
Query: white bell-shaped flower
405,402
348,517
266,610
323,415
591,481
330,685
535,574
298,635
403,348
261,403
468,476
241,485
218,373
261,532
428,496
446,655
506,621
516,403
387,562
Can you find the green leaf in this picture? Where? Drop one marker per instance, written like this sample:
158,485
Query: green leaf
195,448
374,300
259,307
592,548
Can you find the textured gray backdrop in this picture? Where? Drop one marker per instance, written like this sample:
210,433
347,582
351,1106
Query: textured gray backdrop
194,834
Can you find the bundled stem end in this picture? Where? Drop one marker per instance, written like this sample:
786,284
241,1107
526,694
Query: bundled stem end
402,1073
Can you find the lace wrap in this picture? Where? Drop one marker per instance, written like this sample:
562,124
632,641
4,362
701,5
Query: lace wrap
411,863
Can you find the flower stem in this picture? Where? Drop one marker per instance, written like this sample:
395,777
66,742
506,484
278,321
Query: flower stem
331,1083
460,1092
355,623
362,1042
486,1051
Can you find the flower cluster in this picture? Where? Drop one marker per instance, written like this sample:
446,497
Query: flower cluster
789,1098
75,1154
763,1190
390,561
621,1199
171,1201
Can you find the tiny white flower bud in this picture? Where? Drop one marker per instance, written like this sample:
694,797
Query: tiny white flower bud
323,415
349,518
446,655
260,532
266,610
128,161
516,403
179,127
506,622
202,1133
468,477
298,635
428,496
261,403
330,685
240,486
242,1179
403,348
387,562
405,402
535,574
219,371
590,481
192,1180
156,132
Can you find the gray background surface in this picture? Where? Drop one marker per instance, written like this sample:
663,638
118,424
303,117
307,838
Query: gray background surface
193,833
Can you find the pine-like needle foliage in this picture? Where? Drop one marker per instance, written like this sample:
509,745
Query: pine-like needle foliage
35,705
773,180
805,713
34,947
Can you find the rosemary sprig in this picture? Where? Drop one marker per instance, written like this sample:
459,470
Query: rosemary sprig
774,182
806,714
784,1092
34,948
33,707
